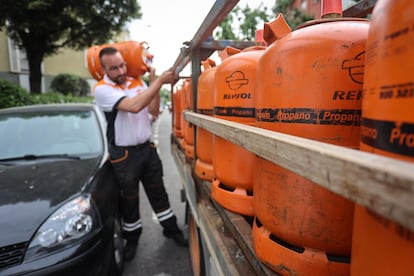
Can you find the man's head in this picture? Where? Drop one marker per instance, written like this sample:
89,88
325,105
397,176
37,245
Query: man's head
113,64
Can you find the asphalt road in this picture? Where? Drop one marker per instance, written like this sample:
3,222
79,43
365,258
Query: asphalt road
156,255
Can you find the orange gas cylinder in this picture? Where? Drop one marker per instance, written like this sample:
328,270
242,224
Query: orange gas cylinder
135,54
288,259
235,82
188,128
309,85
204,138
94,65
177,111
381,246
137,57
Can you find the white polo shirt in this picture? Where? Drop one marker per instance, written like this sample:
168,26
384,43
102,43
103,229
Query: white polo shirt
128,128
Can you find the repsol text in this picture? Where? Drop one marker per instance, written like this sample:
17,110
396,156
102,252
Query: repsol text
236,96
350,95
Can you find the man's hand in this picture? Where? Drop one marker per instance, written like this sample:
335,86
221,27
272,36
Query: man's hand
167,76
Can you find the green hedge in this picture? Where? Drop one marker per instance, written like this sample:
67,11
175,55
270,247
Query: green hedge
14,95
70,84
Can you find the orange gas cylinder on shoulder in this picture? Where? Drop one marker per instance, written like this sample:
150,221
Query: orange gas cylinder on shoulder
135,54
381,246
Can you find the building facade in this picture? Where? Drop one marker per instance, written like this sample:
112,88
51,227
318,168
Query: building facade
14,66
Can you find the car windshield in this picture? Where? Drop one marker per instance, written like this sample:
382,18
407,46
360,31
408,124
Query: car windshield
43,133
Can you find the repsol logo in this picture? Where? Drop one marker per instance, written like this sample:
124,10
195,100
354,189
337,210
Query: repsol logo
237,96
351,95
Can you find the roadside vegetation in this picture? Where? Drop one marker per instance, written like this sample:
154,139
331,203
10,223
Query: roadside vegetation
14,95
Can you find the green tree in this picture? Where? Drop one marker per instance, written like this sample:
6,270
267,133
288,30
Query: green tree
293,16
42,27
243,20
165,95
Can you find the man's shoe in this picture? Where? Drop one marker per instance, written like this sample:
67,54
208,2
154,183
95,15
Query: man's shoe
129,251
178,238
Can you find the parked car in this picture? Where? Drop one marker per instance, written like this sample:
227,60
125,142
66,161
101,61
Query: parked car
59,210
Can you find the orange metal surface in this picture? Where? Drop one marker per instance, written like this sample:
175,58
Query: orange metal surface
205,99
237,200
187,104
204,139
290,260
203,170
387,112
301,212
310,82
380,246
94,65
235,85
309,85
189,151
177,111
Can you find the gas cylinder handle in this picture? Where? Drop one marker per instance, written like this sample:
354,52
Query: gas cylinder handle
276,29
208,63
144,45
228,51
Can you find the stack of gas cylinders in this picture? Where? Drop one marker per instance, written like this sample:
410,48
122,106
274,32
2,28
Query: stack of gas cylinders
342,81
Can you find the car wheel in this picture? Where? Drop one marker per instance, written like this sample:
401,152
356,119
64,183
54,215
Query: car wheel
117,255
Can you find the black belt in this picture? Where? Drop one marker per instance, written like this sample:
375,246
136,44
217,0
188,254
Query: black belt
135,147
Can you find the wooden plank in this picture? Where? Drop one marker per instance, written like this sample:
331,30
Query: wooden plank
382,184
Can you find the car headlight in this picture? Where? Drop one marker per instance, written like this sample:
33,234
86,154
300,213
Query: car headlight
71,222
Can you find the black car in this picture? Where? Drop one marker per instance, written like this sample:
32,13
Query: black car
59,210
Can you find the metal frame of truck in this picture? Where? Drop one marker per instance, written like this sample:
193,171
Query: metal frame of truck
224,237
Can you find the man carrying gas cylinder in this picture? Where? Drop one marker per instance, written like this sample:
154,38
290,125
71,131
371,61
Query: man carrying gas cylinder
127,103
